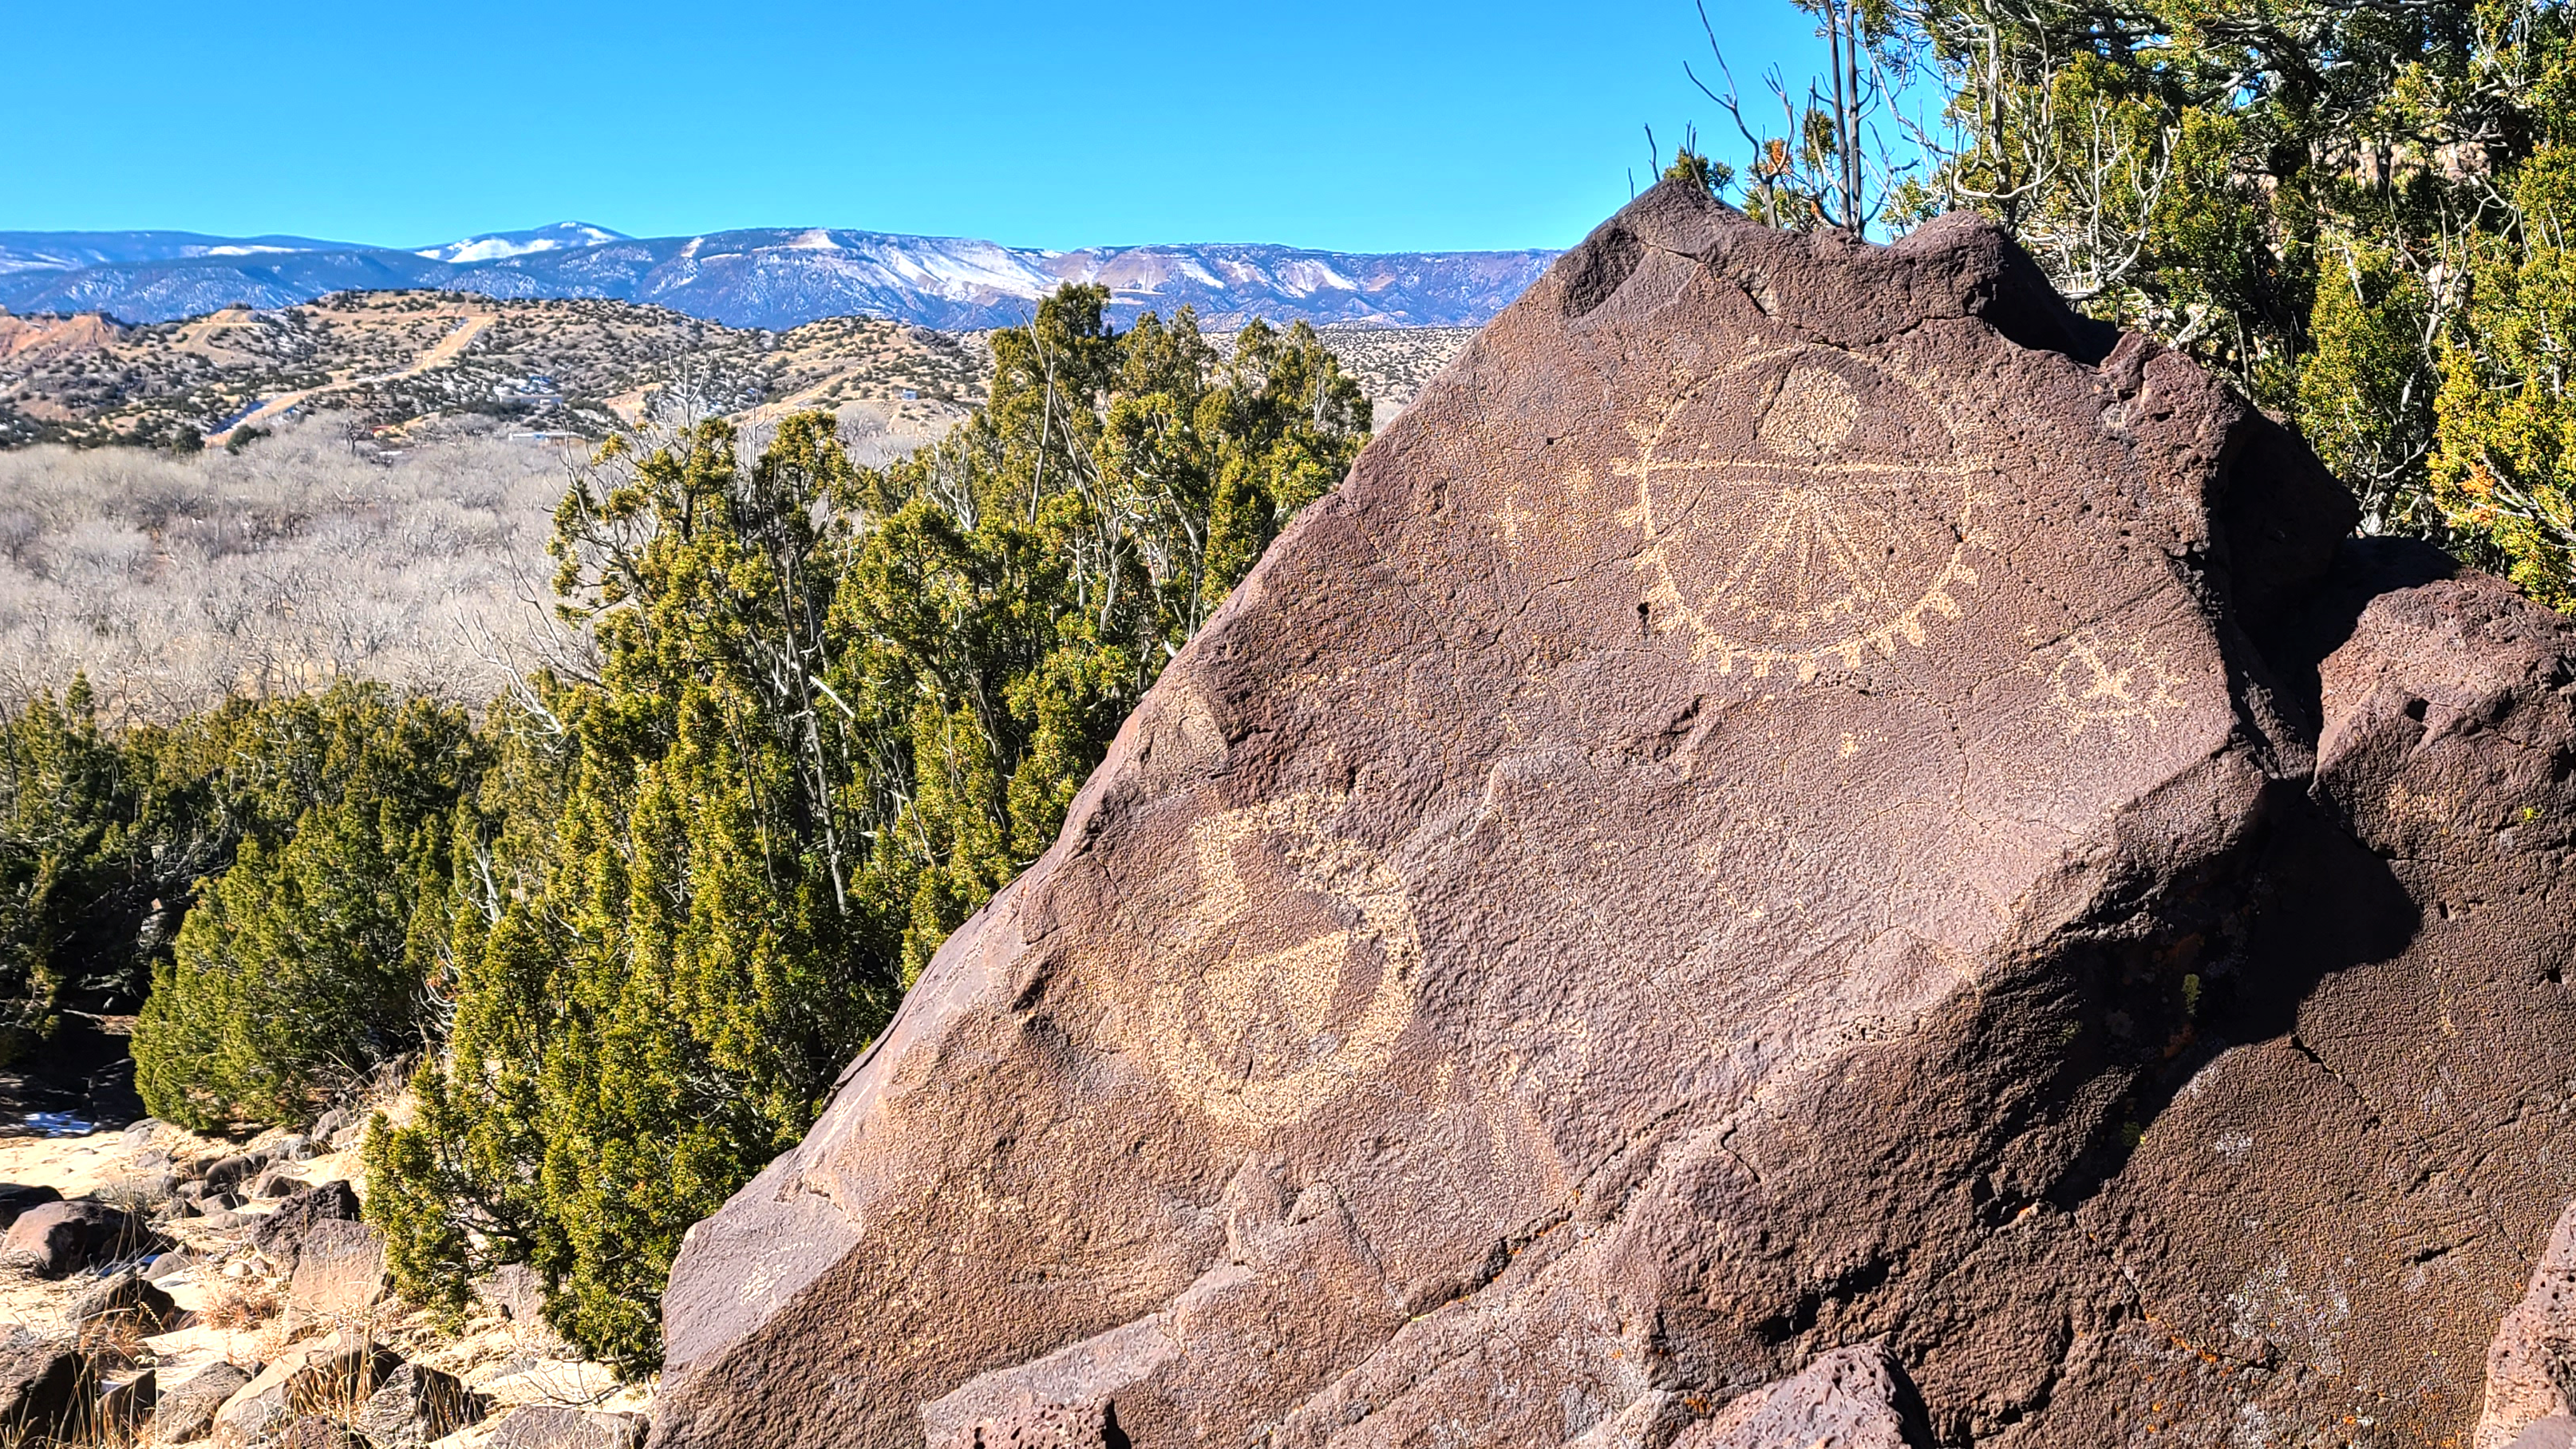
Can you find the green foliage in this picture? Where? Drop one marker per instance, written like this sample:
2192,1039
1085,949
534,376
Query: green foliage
832,711
2358,212
62,789
2504,468
307,962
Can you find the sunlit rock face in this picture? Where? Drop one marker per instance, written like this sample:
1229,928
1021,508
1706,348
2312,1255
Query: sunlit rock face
1806,823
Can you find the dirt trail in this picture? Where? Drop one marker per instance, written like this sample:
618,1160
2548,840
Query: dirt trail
446,350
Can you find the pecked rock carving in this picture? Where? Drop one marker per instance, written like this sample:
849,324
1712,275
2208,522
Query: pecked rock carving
1805,842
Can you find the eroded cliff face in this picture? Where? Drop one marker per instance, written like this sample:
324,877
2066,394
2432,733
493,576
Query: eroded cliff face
1799,800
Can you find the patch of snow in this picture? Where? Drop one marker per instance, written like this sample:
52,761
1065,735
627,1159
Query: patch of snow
495,246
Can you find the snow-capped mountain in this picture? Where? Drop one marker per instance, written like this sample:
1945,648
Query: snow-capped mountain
25,251
774,278
491,246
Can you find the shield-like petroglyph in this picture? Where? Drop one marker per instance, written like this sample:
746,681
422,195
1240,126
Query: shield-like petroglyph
2103,679
1803,507
1298,973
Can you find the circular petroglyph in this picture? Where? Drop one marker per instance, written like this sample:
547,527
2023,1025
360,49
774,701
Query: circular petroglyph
1297,972
1802,507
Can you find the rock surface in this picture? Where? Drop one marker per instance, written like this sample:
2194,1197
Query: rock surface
280,1235
336,1375
130,1297
42,1386
553,1426
56,1238
1852,1398
1799,797
186,1413
2533,1359
415,1405
16,1198
339,1268
126,1407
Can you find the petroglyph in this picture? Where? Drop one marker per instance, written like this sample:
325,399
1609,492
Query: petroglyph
1299,975
1801,508
2104,679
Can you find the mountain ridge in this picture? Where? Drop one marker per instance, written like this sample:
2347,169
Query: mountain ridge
765,277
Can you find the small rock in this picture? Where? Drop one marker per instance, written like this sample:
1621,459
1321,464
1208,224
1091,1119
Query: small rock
42,1386
335,1373
2555,1432
416,1405
16,1199
127,1406
294,1147
129,1296
233,1171
188,1411
140,1132
282,1232
339,1268
331,1123
275,1183
161,1266
237,1269
552,1426
64,1237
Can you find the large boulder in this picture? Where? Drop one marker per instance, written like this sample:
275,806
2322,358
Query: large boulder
55,1238
1801,796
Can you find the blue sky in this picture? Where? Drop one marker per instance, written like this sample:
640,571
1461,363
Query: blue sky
1354,126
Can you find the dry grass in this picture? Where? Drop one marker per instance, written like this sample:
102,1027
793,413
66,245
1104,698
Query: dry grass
239,1305
173,583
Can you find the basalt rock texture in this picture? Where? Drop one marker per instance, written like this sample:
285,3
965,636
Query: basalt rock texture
1801,799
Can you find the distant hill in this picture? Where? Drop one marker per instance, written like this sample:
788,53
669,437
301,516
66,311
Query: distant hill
395,365
773,278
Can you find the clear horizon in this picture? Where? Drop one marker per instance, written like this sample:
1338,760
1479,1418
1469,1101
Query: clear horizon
1340,127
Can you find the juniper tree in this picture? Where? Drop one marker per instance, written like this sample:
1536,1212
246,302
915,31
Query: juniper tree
833,711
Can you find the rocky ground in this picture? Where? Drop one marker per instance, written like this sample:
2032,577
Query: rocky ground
389,364
162,1288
